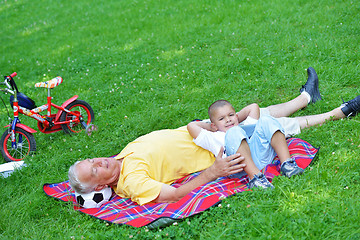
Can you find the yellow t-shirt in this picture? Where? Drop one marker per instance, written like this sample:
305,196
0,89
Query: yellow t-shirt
157,158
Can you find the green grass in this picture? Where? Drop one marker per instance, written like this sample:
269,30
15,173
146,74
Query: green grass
148,65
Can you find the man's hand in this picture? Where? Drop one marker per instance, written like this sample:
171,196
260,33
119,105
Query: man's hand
223,167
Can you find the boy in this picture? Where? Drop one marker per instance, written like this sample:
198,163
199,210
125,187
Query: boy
258,142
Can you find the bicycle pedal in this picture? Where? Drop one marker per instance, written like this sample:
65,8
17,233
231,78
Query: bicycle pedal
50,121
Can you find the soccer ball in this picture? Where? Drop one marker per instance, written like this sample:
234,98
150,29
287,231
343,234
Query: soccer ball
94,199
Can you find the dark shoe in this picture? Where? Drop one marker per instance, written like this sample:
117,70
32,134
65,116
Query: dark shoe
260,181
290,168
351,108
312,85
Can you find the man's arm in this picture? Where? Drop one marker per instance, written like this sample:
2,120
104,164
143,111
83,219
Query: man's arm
194,128
252,110
222,167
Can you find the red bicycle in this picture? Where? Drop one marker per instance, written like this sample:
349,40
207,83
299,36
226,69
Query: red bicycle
72,116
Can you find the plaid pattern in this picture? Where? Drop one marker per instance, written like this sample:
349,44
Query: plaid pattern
124,211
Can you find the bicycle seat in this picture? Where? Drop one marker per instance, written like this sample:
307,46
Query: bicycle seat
51,83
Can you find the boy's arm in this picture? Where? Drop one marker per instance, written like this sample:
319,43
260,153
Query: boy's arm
252,110
194,128
221,167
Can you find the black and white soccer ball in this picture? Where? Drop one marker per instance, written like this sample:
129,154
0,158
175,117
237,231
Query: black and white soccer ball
94,199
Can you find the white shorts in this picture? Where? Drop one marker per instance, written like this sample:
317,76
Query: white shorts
291,126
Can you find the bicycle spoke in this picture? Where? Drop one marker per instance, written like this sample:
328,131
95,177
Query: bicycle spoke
21,149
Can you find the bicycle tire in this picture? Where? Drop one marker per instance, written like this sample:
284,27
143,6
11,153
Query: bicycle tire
84,109
27,147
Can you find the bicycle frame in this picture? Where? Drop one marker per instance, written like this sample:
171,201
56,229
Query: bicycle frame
46,125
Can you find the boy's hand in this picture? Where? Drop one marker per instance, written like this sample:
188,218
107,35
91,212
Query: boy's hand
194,128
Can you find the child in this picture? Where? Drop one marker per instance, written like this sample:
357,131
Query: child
258,142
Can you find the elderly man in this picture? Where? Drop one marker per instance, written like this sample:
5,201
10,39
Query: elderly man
145,168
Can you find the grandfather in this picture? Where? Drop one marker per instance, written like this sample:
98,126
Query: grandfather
145,168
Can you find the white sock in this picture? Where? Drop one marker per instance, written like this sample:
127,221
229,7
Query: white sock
307,95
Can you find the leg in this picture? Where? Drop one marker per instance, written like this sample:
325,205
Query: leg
279,144
267,141
292,126
237,141
312,120
250,168
288,108
257,178
348,109
289,167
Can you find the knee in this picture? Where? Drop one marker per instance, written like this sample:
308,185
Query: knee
266,120
269,126
235,132
233,139
278,133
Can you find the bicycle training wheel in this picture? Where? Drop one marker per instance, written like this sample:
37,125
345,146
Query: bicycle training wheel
25,145
80,107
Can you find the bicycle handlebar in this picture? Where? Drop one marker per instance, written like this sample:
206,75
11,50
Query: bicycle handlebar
7,83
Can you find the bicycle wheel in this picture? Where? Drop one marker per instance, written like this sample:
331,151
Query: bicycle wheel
80,107
25,145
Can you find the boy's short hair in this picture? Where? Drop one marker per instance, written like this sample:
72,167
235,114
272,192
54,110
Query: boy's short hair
217,104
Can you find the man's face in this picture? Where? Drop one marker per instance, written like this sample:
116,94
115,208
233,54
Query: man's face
99,171
224,118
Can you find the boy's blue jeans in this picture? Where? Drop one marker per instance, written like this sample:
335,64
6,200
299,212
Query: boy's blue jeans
259,142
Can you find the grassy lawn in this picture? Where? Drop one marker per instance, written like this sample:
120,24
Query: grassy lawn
148,65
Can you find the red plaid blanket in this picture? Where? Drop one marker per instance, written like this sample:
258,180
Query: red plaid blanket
124,211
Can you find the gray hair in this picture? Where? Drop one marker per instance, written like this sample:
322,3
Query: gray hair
75,183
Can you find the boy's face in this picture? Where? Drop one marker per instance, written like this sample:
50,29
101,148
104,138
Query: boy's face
224,118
